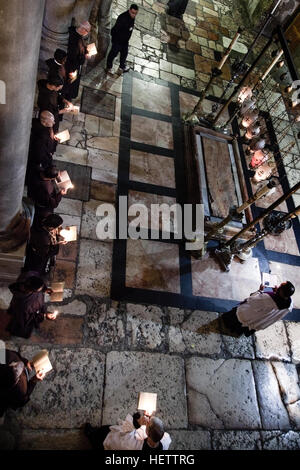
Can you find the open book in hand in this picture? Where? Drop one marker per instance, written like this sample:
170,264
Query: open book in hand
58,291
69,233
270,280
91,49
41,361
63,181
63,136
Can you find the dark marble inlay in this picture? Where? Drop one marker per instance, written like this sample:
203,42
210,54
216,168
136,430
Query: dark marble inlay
81,178
180,57
98,103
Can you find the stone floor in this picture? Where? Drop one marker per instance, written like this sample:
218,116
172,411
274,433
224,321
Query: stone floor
214,391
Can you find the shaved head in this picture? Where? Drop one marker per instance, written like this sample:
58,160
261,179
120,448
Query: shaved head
47,119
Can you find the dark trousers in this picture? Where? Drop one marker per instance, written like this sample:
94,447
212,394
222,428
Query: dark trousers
231,322
115,49
97,437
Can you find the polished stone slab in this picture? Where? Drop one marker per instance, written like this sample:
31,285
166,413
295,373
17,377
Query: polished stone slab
128,373
160,101
151,131
210,281
152,265
272,343
152,169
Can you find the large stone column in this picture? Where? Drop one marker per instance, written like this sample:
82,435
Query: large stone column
20,33
57,19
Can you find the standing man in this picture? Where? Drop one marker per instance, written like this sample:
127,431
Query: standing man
120,34
77,53
259,311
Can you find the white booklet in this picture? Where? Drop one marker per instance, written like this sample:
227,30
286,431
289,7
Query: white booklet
58,291
63,136
91,48
63,181
41,361
69,233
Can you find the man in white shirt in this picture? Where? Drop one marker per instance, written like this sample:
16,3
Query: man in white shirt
259,311
137,432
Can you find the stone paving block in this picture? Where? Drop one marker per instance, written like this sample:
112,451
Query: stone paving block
176,315
76,307
274,440
288,380
169,77
180,57
151,41
294,413
272,343
53,440
106,127
293,330
184,337
90,220
128,373
94,269
145,19
69,207
221,393
239,347
104,326
65,271
110,144
183,71
236,440
103,160
272,410
103,176
191,440
66,153
70,395
151,72
103,191
92,124
145,326
63,330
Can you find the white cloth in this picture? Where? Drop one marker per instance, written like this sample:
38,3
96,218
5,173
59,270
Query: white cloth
124,436
260,311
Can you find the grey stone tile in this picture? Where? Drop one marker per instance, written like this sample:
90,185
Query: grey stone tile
293,330
184,338
145,326
190,440
76,307
53,440
221,393
236,440
272,409
90,220
94,269
104,326
239,347
274,440
272,343
70,395
128,373
69,207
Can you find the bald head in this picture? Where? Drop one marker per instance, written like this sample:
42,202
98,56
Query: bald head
84,28
47,119
155,429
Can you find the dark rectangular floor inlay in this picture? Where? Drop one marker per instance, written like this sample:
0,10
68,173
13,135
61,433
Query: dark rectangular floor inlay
180,57
98,103
81,178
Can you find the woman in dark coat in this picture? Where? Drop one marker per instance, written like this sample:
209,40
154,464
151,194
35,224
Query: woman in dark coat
27,307
15,388
77,52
